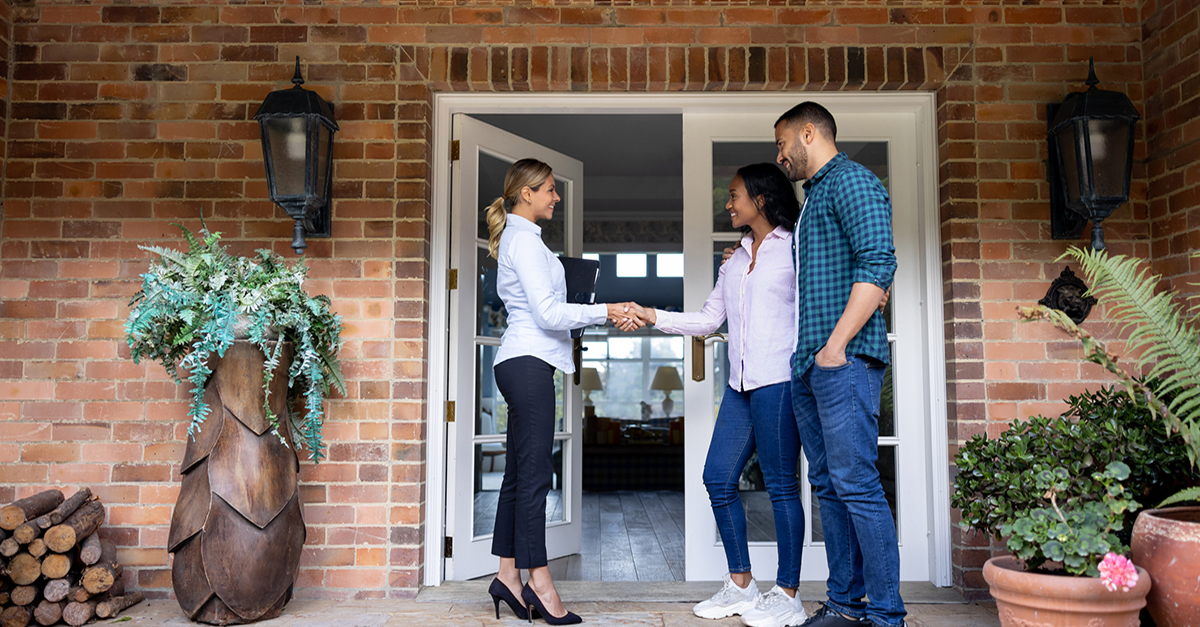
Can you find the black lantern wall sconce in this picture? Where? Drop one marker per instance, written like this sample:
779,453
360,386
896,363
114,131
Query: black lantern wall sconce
1091,159
297,139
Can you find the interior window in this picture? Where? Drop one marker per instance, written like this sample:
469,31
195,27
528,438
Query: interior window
631,265
669,265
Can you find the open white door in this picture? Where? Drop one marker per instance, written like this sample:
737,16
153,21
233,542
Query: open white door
476,439
715,145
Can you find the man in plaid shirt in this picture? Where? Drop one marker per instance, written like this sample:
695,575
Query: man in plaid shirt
845,261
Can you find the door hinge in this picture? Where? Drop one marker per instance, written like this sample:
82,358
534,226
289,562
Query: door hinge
449,411
452,282
455,146
449,548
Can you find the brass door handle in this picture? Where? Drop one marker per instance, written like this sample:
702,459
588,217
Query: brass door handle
698,344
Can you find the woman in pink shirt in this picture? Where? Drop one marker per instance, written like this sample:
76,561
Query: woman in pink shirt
755,291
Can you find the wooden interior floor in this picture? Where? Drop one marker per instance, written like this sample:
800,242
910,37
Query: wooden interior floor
628,536
633,536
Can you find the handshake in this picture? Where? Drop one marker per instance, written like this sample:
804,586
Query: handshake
630,316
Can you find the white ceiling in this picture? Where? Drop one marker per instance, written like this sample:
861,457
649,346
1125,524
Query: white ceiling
632,164
608,145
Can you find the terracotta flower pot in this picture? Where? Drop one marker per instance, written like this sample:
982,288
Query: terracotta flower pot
1027,599
1167,543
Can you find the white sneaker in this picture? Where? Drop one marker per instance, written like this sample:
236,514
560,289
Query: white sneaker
730,601
775,609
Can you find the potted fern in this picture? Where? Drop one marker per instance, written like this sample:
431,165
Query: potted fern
1164,338
260,355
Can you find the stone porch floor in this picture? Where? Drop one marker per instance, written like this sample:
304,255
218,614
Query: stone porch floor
459,604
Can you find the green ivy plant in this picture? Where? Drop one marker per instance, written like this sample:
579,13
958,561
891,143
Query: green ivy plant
1076,532
1162,332
185,313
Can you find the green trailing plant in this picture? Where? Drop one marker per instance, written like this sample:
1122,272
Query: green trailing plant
186,310
1163,335
997,477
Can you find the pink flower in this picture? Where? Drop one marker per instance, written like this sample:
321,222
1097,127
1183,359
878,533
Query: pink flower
1116,571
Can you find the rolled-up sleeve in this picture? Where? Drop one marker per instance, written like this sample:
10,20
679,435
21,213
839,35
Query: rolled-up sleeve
863,209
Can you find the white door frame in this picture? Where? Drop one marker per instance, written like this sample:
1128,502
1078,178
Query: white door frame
472,553
922,104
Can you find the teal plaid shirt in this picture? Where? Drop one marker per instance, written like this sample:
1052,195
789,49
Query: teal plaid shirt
844,237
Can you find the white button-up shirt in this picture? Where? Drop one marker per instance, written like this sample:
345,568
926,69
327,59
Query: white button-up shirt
531,282
760,306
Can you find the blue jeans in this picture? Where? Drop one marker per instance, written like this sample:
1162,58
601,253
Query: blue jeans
837,413
762,419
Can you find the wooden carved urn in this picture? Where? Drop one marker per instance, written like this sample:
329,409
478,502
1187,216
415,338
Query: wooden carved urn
237,531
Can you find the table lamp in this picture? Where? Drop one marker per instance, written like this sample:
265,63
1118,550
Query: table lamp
666,378
590,381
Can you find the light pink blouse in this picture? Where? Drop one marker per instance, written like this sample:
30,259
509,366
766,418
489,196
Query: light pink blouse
760,306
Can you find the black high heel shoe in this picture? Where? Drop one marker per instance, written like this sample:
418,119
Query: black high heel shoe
500,592
532,600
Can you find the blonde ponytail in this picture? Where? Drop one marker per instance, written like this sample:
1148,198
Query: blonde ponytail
497,217
524,173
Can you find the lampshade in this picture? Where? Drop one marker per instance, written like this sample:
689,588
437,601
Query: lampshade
666,378
590,380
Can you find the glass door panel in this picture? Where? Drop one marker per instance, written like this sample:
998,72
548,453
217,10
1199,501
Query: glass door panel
493,317
478,320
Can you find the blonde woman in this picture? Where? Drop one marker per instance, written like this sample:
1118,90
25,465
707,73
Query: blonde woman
531,283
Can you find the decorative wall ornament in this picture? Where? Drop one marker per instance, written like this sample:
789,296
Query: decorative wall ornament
1066,294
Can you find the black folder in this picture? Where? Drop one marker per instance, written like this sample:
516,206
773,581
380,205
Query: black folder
581,277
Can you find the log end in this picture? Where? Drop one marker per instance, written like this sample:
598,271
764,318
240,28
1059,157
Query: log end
98,580
11,517
76,613
60,538
15,616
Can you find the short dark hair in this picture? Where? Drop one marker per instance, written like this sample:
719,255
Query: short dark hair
780,206
811,112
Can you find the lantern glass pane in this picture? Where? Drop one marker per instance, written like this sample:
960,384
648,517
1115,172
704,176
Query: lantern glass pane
1068,149
324,150
289,144
1110,149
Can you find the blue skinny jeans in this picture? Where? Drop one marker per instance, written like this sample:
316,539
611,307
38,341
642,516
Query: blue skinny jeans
759,419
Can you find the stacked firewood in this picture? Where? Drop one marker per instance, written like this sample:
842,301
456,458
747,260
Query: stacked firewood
53,564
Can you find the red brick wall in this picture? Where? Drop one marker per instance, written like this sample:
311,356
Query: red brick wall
996,246
126,118
5,74
1172,59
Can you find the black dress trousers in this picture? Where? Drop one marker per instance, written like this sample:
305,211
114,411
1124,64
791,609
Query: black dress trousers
527,384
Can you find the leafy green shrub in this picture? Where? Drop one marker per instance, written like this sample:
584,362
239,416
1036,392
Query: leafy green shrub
998,478
186,309
1080,531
